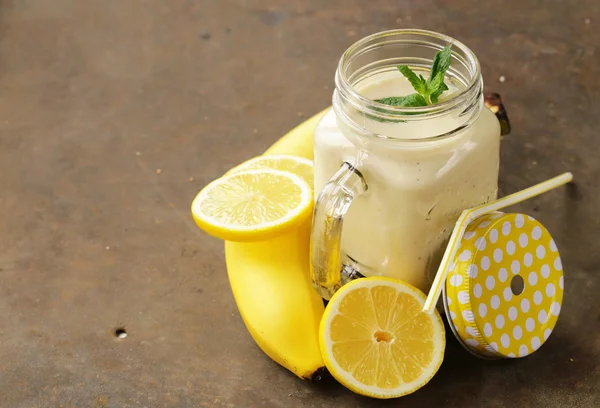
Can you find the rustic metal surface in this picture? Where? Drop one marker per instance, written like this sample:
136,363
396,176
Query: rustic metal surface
99,97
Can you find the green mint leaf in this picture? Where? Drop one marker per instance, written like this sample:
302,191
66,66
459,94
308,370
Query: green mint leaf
414,100
441,63
407,101
435,83
436,94
418,82
392,100
428,91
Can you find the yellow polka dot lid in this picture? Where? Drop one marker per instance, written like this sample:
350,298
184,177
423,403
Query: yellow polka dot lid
504,290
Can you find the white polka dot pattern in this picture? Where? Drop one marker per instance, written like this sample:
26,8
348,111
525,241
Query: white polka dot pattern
517,332
473,270
495,301
523,350
546,271
530,324
482,309
490,282
480,244
499,321
456,280
523,240
558,264
469,235
472,342
533,278
525,305
540,252
528,259
498,255
507,294
465,255
519,221
487,315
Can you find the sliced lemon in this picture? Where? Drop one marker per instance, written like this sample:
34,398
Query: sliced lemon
377,341
298,165
252,204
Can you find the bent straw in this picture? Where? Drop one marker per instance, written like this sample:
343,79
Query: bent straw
469,215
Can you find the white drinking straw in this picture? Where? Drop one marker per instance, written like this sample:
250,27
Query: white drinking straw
469,215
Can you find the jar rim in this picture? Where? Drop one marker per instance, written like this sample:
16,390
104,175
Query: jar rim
344,86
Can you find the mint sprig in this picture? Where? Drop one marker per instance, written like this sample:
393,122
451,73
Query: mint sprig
404,101
427,90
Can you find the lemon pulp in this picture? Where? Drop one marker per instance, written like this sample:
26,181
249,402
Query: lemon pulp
252,204
377,341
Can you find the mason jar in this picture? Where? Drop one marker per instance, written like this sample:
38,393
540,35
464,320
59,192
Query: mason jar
391,182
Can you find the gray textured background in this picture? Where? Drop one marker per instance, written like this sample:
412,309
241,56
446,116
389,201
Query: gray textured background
93,238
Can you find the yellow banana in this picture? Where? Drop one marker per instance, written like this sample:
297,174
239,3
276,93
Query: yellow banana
298,141
271,283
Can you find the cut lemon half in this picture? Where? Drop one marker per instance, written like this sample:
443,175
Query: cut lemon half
298,165
377,341
252,205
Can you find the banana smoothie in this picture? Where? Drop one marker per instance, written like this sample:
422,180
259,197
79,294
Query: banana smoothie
419,173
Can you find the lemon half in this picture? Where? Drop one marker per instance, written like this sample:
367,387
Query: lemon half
377,341
252,205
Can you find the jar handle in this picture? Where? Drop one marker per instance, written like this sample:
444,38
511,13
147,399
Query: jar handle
325,244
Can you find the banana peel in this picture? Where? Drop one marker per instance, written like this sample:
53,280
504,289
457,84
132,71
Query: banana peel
300,140
270,279
271,284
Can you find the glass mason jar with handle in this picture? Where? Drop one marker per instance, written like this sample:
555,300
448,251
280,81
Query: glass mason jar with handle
390,181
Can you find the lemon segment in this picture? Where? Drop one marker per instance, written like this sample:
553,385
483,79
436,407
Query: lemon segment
377,341
298,165
252,205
